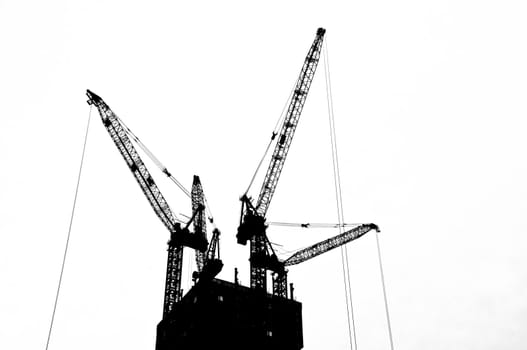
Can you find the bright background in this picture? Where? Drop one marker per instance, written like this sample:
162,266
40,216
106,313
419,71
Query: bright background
429,101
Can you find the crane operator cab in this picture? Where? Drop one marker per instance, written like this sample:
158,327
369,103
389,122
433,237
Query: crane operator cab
252,225
182,237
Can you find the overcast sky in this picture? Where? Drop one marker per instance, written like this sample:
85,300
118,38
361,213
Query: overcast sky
429,101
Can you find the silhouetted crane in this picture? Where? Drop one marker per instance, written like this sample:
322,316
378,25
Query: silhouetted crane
253,221
179,236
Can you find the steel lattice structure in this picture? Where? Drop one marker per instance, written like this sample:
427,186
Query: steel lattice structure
330,243
252,223
200,221
179,237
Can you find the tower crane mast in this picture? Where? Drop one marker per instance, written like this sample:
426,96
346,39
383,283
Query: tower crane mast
208,263
200,221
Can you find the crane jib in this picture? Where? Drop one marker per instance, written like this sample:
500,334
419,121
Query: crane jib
330,243
134,161
290,123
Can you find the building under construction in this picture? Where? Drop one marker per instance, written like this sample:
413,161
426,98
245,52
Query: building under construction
221,315
216,313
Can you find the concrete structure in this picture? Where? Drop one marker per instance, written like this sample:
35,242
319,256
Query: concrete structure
222,315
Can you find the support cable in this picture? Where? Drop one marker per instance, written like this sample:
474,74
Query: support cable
340,211
69,231
162,167
311,224
260,164
150,155
384,291
277,127
209,212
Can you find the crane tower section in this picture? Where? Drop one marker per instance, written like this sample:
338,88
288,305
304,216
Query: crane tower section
200,222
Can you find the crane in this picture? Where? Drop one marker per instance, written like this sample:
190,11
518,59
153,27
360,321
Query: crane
252,221
179,236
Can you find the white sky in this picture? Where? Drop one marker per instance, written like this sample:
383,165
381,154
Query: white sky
430,110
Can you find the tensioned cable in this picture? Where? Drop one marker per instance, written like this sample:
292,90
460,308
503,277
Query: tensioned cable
162,167
277,126
208,211
69,231
156,161
310,224
384,291
345,271
340,210
260,163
